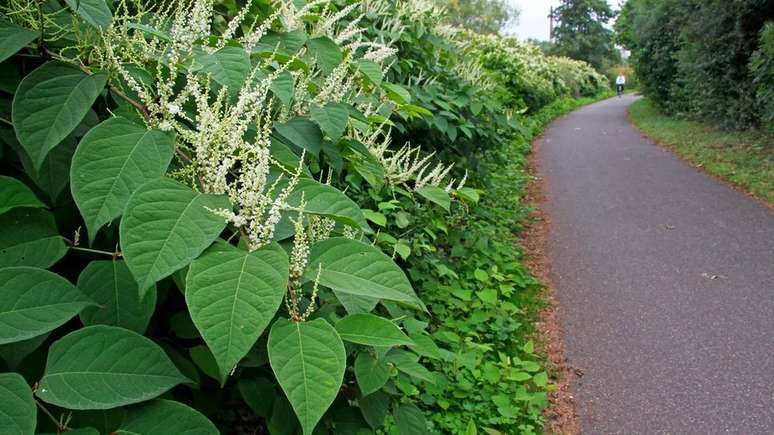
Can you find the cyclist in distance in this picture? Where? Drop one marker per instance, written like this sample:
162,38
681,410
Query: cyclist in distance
620,81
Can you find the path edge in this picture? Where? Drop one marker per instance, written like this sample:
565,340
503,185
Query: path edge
561,415
693,164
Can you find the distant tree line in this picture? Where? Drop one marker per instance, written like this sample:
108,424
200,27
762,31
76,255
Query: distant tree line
709,59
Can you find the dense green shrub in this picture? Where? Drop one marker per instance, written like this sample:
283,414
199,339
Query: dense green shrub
694,56
762,68
212,217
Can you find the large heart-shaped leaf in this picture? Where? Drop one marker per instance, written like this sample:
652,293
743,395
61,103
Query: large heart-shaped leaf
102,367
332,119
54,175
28,237
371,70
18,414
13,38
112,159
111,285
232,296
95,12
49,103
436,195
327,53
353,267
165,417
371,330
283,87
410,420
14,193
374,408
228,66
308,359
371,373
302,133
328,201
165,226
35,301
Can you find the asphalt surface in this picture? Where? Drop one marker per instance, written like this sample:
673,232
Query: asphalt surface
636,238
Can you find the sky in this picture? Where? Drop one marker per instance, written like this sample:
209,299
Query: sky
533,21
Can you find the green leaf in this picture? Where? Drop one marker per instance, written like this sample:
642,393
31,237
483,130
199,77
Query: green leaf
165,417
375,217
205,360
102,367
471,429
327,53
18,414
35,301
259,395
407,363
183,363
468,194
165,226
410,420
28,237
436,195
94,12
371,70
232,296
49,103
332,119
371,330
397,93
371,373
308,359
325,200
424,345
112,286
283,87
302,133
353,267
14,193
374,408
54,175
286,43
13,38
540,379
228,66
112,160
14,353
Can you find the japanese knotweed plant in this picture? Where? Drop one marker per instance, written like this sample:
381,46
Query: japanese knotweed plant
202,155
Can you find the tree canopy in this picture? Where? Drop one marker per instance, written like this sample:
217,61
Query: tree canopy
580,32
704,58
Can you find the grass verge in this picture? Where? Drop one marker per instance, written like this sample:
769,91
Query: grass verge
745,159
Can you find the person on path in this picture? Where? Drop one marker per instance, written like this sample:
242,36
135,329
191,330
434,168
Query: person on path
620,81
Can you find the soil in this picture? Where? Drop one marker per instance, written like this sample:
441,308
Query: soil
561,416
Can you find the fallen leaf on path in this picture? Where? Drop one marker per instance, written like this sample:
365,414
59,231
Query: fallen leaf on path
713,277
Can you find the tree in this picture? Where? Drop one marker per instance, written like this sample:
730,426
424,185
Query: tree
481,16
581,33
703,58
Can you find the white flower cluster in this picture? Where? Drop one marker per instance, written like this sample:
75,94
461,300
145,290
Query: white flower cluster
213,127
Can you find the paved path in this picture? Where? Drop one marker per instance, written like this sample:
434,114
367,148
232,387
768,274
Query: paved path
636,236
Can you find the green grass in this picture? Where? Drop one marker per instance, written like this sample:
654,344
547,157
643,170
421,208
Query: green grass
746,159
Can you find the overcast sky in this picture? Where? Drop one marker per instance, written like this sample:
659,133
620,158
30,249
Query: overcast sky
533,21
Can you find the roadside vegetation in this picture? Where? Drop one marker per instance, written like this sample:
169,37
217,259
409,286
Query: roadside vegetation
272,217
744,158
707,70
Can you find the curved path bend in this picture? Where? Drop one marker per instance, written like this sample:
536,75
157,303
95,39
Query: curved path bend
665,282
